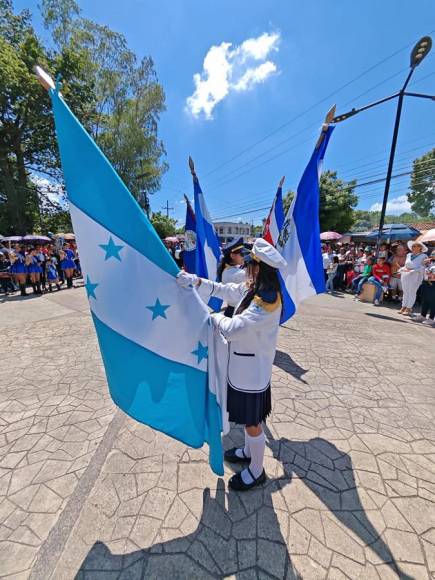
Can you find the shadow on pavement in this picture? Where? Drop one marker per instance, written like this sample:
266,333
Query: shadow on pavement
229,541
383,317
328,473
285,362
240,534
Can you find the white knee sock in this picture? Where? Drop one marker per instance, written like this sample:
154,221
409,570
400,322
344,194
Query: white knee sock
257,445
245,450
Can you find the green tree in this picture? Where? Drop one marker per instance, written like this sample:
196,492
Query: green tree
128,97
164,226
421,193
337,202
27,140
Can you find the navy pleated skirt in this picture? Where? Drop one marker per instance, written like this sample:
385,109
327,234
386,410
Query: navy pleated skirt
248,408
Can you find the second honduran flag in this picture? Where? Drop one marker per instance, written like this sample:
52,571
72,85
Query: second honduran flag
275,219
299,240
153,336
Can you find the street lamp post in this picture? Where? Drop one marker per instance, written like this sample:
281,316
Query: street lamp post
419,52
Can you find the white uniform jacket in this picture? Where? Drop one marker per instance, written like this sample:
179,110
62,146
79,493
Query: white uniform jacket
233,275
251,336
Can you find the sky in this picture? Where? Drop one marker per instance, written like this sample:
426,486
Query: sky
248,84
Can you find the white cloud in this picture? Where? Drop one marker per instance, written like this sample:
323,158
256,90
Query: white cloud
395,206
50,189
227,69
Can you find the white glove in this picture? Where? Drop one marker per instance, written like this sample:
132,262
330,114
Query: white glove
186,280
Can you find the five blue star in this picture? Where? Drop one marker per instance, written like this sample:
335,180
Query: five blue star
158,309
201,352
90,288
111,249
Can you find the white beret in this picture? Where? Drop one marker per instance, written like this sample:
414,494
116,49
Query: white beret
264,252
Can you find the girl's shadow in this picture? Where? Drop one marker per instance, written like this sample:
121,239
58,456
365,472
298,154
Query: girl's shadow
240,534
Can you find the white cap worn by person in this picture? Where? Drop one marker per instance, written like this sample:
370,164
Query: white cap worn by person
415,243
262,251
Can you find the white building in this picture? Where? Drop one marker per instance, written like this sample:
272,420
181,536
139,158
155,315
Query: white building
229,230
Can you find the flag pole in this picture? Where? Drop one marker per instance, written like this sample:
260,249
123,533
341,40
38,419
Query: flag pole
44,78
281,181
328,120
192,169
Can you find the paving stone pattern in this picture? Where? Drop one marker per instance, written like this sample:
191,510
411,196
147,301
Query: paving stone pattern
350,459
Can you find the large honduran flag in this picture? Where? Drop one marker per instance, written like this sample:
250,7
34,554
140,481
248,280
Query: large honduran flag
275,219
299,240
153,335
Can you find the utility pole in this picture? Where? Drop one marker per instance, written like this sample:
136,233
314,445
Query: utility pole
167,208
419,52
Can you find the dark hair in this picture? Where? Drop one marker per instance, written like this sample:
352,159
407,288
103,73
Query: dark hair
266,281
335,259
226,260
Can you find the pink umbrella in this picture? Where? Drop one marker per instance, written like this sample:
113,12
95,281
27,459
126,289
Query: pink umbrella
172,239
325,236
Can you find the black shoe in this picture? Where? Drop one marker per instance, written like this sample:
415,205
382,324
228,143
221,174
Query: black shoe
237,483
231,456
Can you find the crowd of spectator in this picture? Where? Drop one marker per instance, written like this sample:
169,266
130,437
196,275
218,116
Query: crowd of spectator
40,267
401,272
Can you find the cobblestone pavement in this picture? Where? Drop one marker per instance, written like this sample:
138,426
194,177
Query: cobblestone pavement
87,493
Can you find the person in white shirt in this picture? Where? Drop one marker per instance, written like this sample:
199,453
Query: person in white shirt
231,268
326,258
252,335
411,275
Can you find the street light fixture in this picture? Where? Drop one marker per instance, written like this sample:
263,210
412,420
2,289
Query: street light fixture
419,52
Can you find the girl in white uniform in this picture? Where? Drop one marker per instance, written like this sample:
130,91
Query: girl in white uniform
231,269
252,335
412,275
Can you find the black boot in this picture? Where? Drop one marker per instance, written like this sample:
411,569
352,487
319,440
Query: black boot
23,290
38,288
34,288
50,289
69,282
58,287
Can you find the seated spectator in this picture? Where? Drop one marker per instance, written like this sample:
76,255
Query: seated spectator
380,277
363,277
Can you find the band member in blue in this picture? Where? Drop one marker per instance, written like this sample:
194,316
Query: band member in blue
52,276
67,264
18,267
231,268
34,270
252,335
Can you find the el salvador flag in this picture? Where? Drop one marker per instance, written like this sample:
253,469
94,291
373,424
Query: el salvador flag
207,243
299,240
275,219
153,335
189,254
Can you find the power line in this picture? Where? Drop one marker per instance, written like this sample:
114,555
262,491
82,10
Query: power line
355,167
371,179
287,123
371,182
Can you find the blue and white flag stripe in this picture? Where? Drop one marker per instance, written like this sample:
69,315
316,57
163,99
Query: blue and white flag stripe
207,242
299,241
153,335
